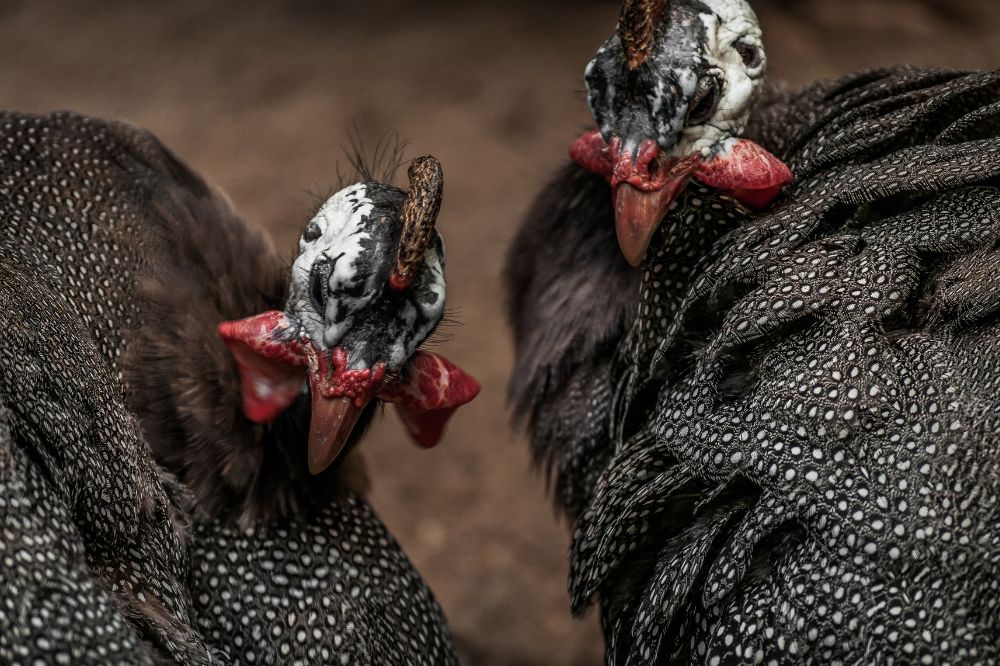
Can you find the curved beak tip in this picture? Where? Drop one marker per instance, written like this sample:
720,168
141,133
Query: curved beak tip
637,217
333,420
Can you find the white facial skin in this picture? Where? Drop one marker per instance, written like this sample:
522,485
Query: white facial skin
341,235
697,86
732,23
428,310
341,223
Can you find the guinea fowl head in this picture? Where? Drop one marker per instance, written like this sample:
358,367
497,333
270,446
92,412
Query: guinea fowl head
671,91
367,289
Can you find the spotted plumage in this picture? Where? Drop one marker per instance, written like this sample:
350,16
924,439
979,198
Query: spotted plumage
128,474
337,590
789,454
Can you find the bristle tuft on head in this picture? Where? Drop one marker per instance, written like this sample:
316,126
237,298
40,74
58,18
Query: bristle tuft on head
380,163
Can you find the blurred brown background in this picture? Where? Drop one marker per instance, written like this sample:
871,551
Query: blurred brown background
259,98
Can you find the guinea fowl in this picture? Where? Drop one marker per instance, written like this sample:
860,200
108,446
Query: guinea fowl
778,437
365,294
119,265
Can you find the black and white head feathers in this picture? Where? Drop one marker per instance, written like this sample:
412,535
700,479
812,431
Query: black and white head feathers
343,270
694,78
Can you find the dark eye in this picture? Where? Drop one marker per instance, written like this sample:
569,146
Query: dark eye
312,232
751,54
704,101
319,278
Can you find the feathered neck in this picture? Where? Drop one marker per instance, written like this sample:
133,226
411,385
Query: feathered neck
207,266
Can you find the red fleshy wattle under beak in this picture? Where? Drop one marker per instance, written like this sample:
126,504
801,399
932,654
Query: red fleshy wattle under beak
274,361
271,360
429,391
646,182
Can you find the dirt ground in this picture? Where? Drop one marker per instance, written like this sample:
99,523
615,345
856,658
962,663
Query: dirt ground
260,97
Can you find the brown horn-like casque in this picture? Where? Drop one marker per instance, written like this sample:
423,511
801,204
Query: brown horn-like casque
420,211
637,27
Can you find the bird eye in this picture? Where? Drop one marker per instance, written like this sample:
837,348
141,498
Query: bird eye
318,281
312,232
751,54
704,101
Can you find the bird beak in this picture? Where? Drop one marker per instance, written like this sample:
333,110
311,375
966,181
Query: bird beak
427,392
643,189
646,182
331,424
273,359
339,395
637,216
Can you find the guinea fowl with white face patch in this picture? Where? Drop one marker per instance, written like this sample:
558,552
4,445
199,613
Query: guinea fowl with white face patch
777,438
366,290
671,92
144,517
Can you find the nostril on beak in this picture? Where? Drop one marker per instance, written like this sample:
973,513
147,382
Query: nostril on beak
647,157
639,167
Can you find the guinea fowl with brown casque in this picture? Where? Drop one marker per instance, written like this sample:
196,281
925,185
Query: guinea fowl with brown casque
119,266
779,444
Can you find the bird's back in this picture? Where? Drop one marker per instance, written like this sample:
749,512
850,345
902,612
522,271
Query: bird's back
118,263
107,525
799,437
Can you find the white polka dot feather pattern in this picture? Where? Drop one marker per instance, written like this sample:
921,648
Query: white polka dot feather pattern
103,557
800,429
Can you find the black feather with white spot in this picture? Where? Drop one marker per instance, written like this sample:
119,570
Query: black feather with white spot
800,434
116,265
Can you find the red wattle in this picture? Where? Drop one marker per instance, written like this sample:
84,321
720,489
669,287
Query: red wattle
430,389
270,334
747,172
270,362
426,428
591,152
274,361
